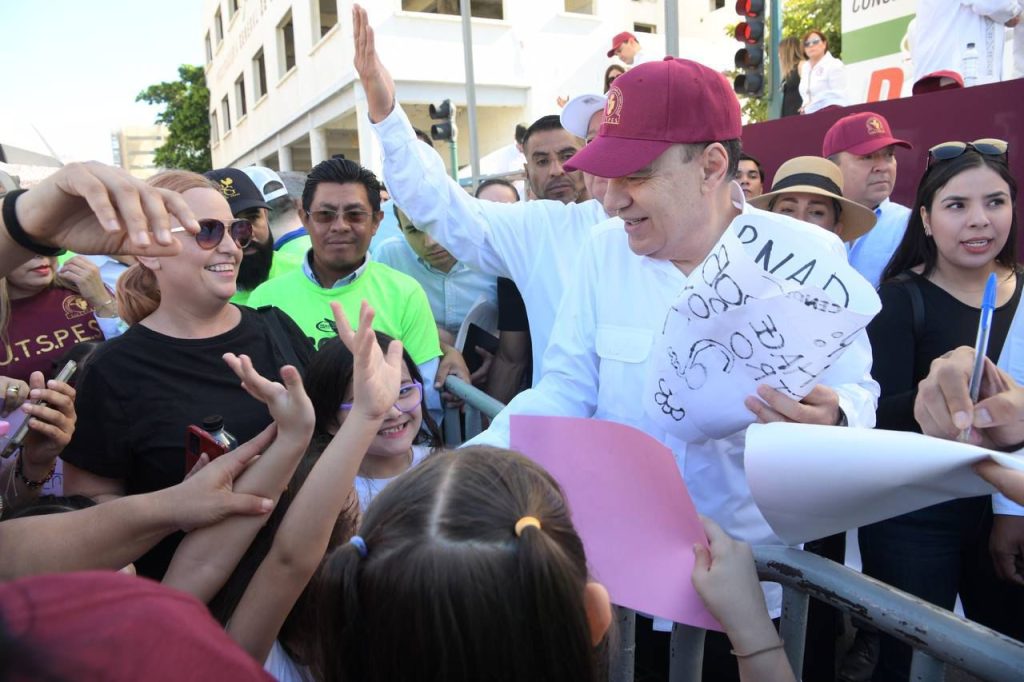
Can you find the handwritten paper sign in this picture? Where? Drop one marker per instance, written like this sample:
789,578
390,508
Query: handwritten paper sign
631,508
740,323
812,481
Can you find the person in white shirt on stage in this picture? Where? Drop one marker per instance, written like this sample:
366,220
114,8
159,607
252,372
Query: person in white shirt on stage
822,76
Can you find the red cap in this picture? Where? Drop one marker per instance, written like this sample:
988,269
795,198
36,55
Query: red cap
654,106
860,134
938,80
118,628
618,40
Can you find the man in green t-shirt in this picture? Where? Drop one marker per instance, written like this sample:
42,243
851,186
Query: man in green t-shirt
341,211
259,261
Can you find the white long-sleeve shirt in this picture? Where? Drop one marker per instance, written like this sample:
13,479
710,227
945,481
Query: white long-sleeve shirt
536,243
601,347
824,84
943,28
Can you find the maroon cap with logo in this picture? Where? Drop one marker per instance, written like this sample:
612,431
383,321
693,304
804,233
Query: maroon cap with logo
862,134
618,40
654,106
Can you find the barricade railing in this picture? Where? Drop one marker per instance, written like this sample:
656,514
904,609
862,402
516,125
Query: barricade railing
938,637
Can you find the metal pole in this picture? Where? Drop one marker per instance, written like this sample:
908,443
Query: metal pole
774,36
453,156
672,28
467,50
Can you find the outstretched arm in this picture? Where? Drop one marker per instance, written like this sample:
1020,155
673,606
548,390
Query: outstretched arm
116,533
206,558
301,541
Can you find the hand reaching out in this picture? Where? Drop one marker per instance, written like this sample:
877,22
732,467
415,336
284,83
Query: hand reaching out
377,82
376,377
288,404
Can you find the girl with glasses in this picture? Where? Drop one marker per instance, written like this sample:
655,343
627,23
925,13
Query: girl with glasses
408,433
822,76
144,389
962,229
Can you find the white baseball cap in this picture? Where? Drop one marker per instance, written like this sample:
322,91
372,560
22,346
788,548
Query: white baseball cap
267,181
575,116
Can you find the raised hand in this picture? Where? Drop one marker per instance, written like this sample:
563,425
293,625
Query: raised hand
288,404
92,208
50,425
377,82
376,377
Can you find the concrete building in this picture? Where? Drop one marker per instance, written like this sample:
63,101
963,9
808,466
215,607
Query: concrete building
133,148
284,93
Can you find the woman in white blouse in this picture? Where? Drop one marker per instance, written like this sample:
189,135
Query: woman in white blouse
822,79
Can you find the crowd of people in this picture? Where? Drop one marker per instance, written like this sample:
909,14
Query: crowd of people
264,325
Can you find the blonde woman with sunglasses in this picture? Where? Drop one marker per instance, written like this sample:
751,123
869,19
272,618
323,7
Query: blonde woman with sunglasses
962,229
144,389
822,76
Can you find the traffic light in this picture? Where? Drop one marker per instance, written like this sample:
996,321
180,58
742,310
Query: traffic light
750,58
445,130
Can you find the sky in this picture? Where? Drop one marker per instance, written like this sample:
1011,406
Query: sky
72,68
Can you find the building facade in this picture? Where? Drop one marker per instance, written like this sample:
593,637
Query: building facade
133,148
284,92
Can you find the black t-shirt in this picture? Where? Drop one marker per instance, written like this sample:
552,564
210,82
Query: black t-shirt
511,307
902,357
141,391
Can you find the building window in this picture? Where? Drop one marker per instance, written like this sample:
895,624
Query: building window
481,9
225,108
644,28
232,8
717,4
240,106
286,45
209,48
325,16
214,129
259,74
579,6
218,27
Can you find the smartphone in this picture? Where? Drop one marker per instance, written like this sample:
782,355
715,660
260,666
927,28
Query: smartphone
18,420
477,336
197,441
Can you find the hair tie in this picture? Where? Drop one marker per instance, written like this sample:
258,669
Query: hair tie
359,544
526,522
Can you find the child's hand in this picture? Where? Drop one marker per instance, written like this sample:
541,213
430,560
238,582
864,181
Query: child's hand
376,377
288,404
726,580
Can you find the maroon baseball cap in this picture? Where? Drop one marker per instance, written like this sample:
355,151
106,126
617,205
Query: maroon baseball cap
618,40
654,106
861,134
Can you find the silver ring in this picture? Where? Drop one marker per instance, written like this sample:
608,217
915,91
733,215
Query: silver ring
14,390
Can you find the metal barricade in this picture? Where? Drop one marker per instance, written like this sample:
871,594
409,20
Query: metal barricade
937,636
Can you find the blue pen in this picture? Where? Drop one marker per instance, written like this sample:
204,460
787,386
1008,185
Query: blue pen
988,306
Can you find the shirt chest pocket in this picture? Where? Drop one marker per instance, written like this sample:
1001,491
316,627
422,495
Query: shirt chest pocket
624,353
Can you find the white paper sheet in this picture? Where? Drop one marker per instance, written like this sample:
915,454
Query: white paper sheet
737,325
811,481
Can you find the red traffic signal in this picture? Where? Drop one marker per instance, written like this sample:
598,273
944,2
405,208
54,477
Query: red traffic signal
749,32
750,8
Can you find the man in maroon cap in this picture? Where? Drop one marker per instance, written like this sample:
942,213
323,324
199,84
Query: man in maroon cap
863,147
626,47
669,145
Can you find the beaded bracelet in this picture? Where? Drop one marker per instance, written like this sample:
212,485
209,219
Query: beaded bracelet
32,485
17,232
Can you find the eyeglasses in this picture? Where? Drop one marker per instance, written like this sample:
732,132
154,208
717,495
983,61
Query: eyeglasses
989,146
408,397
211,233
811,42
353,218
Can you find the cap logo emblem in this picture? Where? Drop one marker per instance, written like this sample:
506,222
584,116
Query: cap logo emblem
875,126
227,188
614,106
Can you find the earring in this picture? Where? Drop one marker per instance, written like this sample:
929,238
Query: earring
927,231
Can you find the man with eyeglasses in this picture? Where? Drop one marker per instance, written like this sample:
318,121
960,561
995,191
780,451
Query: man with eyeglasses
259,261
863,147
341,211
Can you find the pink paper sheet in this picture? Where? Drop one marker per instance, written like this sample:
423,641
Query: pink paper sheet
631,508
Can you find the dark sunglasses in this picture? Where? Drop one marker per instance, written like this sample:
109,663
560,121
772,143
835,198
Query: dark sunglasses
211,233
812,41
989,146
353,217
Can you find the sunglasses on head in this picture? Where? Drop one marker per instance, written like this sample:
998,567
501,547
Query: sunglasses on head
211,233
989,146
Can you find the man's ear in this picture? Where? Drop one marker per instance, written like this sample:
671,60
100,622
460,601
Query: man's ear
304,217
149,262
599,611
377,218
715,164
837,229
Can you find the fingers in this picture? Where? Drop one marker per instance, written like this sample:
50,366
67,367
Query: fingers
249,505
238,459
255,384
701,562
943,405
14,393
203,460
1007,481
820,406
345,332
394,357
1006,567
